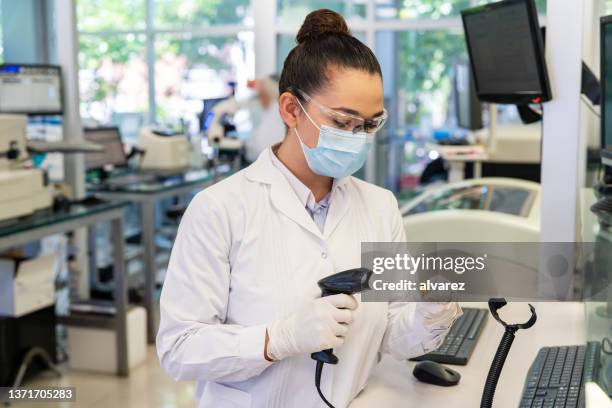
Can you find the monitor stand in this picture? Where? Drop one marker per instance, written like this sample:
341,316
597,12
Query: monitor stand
603,207
603,210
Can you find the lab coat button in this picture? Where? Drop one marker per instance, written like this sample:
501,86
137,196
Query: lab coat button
323,255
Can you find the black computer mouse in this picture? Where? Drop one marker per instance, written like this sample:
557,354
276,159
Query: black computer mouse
434,373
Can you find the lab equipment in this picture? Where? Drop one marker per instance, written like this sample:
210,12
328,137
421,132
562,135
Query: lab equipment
506,52
504,348
476,210
206,115
467,106
26,285
23,190
603,208
69,146
31,89
434,373
131,179
82,340
558,375
12,139
110,139
164,152
348,282
216,129
460,342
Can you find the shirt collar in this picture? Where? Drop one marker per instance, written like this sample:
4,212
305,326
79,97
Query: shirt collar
303,193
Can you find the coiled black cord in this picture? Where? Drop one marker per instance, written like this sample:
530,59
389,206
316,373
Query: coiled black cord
496,366
318,372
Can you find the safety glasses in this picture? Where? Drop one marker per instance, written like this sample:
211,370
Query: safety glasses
346,121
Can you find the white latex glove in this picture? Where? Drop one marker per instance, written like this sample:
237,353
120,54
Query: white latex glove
319,325
439,316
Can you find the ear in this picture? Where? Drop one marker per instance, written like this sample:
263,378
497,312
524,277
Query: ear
289,109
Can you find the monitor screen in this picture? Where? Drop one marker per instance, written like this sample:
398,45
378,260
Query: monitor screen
506,52
113,148
606,90
31,89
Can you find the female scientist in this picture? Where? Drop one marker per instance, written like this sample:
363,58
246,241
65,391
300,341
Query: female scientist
241,311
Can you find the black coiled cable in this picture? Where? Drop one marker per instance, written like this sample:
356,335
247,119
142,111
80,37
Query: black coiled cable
496,366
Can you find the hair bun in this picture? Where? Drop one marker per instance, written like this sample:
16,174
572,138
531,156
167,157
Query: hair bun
321,22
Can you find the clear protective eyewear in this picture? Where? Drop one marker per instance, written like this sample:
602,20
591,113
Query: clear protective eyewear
346,121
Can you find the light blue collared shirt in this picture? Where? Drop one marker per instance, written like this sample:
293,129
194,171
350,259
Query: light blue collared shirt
318,211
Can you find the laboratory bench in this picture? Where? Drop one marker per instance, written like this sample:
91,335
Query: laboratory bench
148,193
47,222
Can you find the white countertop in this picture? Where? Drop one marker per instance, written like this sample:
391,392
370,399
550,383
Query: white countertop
560,323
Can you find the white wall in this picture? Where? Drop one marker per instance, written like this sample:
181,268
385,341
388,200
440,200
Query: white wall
563,150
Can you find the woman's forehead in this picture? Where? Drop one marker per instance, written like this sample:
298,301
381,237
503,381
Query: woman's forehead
353,89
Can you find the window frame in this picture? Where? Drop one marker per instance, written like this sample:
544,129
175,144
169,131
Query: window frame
265,34
150,32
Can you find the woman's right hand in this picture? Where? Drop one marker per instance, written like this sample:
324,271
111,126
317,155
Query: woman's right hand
319,325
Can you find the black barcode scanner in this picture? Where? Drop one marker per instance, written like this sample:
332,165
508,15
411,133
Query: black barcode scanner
348,282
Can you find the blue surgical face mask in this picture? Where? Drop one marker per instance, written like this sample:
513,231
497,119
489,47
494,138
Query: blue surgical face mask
338,153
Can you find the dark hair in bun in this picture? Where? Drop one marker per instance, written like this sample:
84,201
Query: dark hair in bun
323,40
319,23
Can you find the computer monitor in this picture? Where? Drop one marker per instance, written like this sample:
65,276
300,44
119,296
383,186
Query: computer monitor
113,154
506,52
31,89
606,92
467,106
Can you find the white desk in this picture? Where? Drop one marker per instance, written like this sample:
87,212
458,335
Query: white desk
393,385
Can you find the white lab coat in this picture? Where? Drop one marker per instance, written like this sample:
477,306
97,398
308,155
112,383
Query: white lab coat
247,253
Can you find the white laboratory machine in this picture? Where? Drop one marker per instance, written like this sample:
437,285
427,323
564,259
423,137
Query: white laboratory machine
26,286
23,189
216,128
476,210
164,152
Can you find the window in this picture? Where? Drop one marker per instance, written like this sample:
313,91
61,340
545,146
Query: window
421,65
112,75
417,42
194,48
419,9
540,4
286,42
200,13
417,50
293,11
1,37
110,15
189,69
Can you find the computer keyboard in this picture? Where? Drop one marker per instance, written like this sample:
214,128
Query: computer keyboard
461,339
557,375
